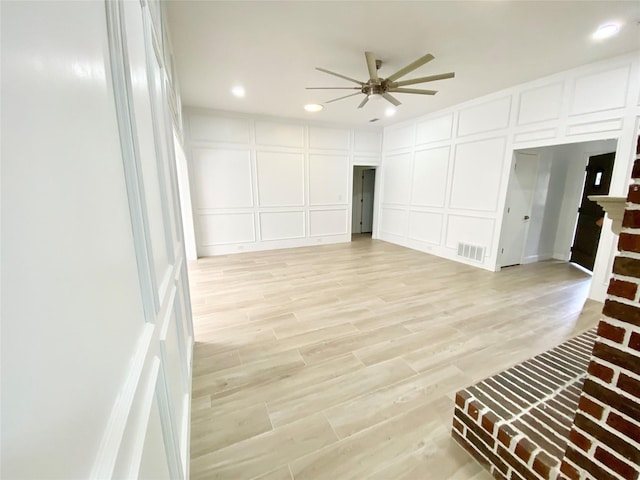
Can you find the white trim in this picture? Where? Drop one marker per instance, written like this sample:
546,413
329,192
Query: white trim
114,431
167,419
148,396
121,91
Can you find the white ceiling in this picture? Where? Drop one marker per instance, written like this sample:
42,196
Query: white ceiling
272,48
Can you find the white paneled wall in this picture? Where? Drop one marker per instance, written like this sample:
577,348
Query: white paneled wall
96,321
475,185
262,183
445,175
430,171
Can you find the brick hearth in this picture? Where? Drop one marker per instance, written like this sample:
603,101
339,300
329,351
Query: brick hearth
517,423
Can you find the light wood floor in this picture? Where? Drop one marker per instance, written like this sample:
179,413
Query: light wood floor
341,361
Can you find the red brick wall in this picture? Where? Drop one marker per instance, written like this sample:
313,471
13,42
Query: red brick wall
604,443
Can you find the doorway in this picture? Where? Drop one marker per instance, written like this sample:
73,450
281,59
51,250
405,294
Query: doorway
589,226
544,196
364,179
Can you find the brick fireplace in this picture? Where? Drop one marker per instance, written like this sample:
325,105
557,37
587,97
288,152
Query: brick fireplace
573,412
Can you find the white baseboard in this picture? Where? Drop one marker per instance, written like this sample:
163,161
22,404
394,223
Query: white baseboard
536,258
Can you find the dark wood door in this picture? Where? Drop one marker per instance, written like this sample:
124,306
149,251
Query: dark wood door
585,242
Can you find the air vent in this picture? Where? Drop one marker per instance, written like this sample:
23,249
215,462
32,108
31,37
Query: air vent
471,252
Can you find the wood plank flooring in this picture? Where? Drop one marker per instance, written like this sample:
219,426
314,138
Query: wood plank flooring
341,361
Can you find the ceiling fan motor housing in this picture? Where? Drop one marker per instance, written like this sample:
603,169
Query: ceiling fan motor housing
371,88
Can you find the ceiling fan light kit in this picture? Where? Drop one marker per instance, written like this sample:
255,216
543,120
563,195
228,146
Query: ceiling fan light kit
377,87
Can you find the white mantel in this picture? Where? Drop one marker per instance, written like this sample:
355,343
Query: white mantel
614,207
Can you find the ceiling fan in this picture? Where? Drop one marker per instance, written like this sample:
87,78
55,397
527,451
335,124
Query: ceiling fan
383,87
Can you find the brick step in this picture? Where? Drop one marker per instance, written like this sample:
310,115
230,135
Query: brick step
517,423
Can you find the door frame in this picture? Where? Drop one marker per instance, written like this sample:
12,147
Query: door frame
376,196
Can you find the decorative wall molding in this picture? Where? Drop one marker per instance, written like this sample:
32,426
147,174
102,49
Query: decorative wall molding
300,177
595,127
543,134
540,103
486,117
116,425
434,130
327,221
592,93
559,109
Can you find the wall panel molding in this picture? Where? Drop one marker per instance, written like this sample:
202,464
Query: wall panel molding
328,222
588,103
486,117
329,138
108,451
595,127
228,174
219,129
540,104
281,179
425,226
469,229
279,134
542,134
394,221
299,175
600,91
434,130
430,173
282,225
365,141
227,228
328,179
131,450
477,174
397,137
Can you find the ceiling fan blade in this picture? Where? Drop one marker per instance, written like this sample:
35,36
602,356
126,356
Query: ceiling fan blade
333,88
391,99
364,102
339,75
340,98
430,78
371,65
411,67
413,90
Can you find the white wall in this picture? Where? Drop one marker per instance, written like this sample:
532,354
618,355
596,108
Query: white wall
445,175
264,183
96,336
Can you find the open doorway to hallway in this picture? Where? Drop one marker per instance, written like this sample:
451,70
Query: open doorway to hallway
545,215
364,179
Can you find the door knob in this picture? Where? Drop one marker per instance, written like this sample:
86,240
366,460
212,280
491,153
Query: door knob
526,217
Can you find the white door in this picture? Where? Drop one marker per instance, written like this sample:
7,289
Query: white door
522,183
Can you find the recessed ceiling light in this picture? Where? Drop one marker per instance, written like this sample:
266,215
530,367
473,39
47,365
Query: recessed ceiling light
238,91
313,107
390,111
605,31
